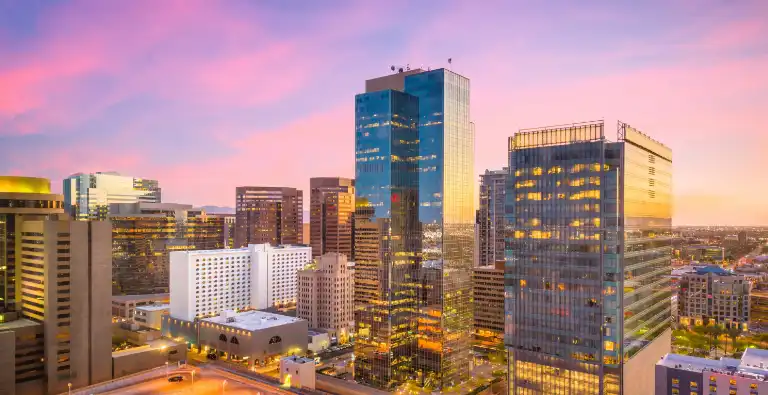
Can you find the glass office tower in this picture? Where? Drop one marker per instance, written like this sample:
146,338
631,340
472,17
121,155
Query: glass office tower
587,260
387,237
447,214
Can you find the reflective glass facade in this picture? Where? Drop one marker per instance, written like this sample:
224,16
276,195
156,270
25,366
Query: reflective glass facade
587,258
387,237
88,196
447,215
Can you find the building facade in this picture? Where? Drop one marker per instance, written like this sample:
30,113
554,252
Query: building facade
228,228
150,316
491,217
588,260
65,276
124,306
447,216
331,206
488,294
758,309
205,283
250,337
143,236
270,215
88,196
713,295
325,296
703,253
387,237
21,198
686,375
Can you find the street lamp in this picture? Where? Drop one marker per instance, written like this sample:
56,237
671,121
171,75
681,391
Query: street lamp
193,378
223,385
69,388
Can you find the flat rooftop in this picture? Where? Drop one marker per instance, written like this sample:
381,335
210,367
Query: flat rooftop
754,363
154,307
252,320
153,345
299,360
18,323
129,298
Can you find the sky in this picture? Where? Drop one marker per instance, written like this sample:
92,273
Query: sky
205,96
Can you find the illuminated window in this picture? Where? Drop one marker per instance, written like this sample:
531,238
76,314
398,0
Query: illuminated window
534,195
523,283
578,167
596,221
609,345
555,170
537,171
594,180
525,184
576,182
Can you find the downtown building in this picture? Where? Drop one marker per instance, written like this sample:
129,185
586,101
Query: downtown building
325,296
490,218
143,236
331,206
88,196
270,215
587,261
714,296
414,229
55,337
206,283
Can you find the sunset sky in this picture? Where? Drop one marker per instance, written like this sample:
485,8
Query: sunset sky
206,96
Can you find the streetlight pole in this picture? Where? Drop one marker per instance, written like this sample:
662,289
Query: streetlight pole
166,369
223,386
193,378
69,388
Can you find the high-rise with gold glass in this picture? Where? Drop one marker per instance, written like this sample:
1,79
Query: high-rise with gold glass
587,260
143,236
447,216
387,236
331,205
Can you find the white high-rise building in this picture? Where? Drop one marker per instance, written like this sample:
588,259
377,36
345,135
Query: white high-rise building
326,294
205,283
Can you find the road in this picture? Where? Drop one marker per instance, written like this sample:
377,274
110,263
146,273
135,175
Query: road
207,381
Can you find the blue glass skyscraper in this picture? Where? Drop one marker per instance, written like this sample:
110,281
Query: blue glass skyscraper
587,261
414,229
387,237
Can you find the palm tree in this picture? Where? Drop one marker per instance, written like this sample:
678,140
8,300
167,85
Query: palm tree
733,332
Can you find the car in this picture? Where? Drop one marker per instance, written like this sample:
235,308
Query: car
176,379
212,356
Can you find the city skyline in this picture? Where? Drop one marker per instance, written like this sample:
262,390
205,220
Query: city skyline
76,103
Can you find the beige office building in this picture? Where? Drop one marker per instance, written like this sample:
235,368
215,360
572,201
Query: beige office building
488,294
63,303
325,296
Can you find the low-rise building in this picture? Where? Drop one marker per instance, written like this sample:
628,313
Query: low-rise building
713,295
703,253
21,364
251,337
318,341
124,306
325,296
205,283
150,316
684,374
151,354
297,372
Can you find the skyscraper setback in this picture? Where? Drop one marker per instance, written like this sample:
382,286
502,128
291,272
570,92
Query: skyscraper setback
271,215
331,205
588,259
414,140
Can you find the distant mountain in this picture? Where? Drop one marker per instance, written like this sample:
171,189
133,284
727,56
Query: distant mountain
218,210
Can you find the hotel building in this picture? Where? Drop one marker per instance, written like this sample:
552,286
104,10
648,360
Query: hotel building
325,296
270,215
588,260
205,283
88,196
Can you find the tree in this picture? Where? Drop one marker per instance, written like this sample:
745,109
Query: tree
733,332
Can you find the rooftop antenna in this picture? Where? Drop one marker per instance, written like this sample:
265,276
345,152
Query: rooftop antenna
450,60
